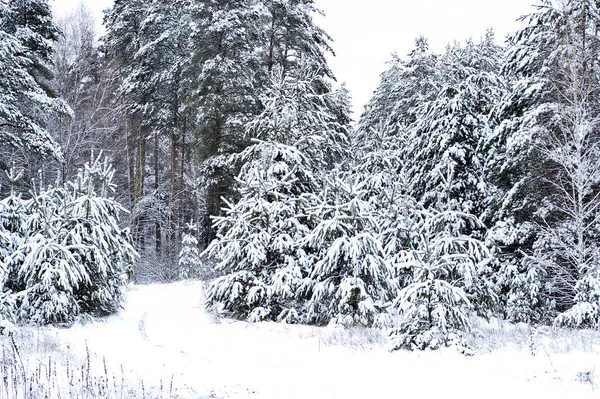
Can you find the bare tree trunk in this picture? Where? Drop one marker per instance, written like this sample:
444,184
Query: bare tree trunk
157,223
139,178
131,149
175,162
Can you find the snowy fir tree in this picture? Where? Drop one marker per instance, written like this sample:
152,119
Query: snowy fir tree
24,101
379,164
449,128
71,255
259,237
351,281
12,218
447,282
190,263
92,220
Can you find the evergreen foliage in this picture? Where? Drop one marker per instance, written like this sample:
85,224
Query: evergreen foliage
447,282
23,101
449,128
190,263
66,253
259,240
351,282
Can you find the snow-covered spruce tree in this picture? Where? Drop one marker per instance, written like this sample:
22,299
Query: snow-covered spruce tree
24,102
259,237
449,128
190,263
351,281
12,218
403,87
377,161
73,255
92,220
544,164
42,269
447,268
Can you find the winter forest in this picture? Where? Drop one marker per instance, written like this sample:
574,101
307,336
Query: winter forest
209,140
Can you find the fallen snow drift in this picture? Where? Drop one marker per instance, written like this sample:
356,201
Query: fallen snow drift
164,337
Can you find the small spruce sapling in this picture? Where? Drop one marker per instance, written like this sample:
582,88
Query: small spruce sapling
351,281
446,276
189,263
72,255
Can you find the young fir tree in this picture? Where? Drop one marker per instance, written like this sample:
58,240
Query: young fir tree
190,264
12,218
91,219
351,281
43,269
73,254
447,281
259,237
378,162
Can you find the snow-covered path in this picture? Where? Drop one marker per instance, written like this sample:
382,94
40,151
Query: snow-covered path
164,333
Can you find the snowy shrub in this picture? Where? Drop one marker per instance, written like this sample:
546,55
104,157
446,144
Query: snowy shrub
586,311
447,279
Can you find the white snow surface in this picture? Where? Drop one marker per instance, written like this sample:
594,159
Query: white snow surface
164,333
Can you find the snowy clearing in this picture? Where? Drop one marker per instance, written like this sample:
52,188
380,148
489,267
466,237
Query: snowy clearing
166,338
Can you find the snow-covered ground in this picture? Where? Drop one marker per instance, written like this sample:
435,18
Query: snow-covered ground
165,337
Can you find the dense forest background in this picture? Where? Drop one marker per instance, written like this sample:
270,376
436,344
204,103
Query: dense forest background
204,139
